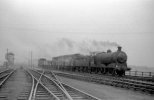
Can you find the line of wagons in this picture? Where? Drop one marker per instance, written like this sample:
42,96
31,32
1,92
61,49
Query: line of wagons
113,63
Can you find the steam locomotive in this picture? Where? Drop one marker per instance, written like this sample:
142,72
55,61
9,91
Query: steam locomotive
113,63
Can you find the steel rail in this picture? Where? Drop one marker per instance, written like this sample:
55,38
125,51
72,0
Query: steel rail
112,82
2,76
89,96
115,78
58,85
36,86
61,86
32,87
4,80
56,80
39,82
65,86
5,71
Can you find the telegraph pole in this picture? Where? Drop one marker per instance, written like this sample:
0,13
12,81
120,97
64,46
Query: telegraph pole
31,55
6,56
7,51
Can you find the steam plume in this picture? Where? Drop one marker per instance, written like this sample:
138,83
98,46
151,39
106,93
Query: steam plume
69,46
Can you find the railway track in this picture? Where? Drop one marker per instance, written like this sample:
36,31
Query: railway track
39,91
26,93
137,85
141,78
126,78
50,86
59,90
15,85
73,92
4,75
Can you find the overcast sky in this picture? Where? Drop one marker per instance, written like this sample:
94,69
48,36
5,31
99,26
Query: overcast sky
42,26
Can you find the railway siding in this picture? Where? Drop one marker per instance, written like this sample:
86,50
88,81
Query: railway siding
146,87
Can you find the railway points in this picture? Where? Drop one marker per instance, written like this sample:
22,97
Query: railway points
65,93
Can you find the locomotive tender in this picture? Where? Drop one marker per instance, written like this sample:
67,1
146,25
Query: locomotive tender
114,63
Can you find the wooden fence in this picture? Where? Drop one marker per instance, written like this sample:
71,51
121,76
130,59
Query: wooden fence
139,73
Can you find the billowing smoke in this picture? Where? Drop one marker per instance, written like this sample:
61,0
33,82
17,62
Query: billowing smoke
67,46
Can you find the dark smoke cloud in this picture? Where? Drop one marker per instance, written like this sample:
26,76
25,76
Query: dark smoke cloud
68,46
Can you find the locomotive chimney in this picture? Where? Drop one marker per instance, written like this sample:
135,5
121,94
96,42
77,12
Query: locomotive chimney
109,51
119,48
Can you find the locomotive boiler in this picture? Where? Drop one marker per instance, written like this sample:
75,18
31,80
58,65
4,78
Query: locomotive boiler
112,62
